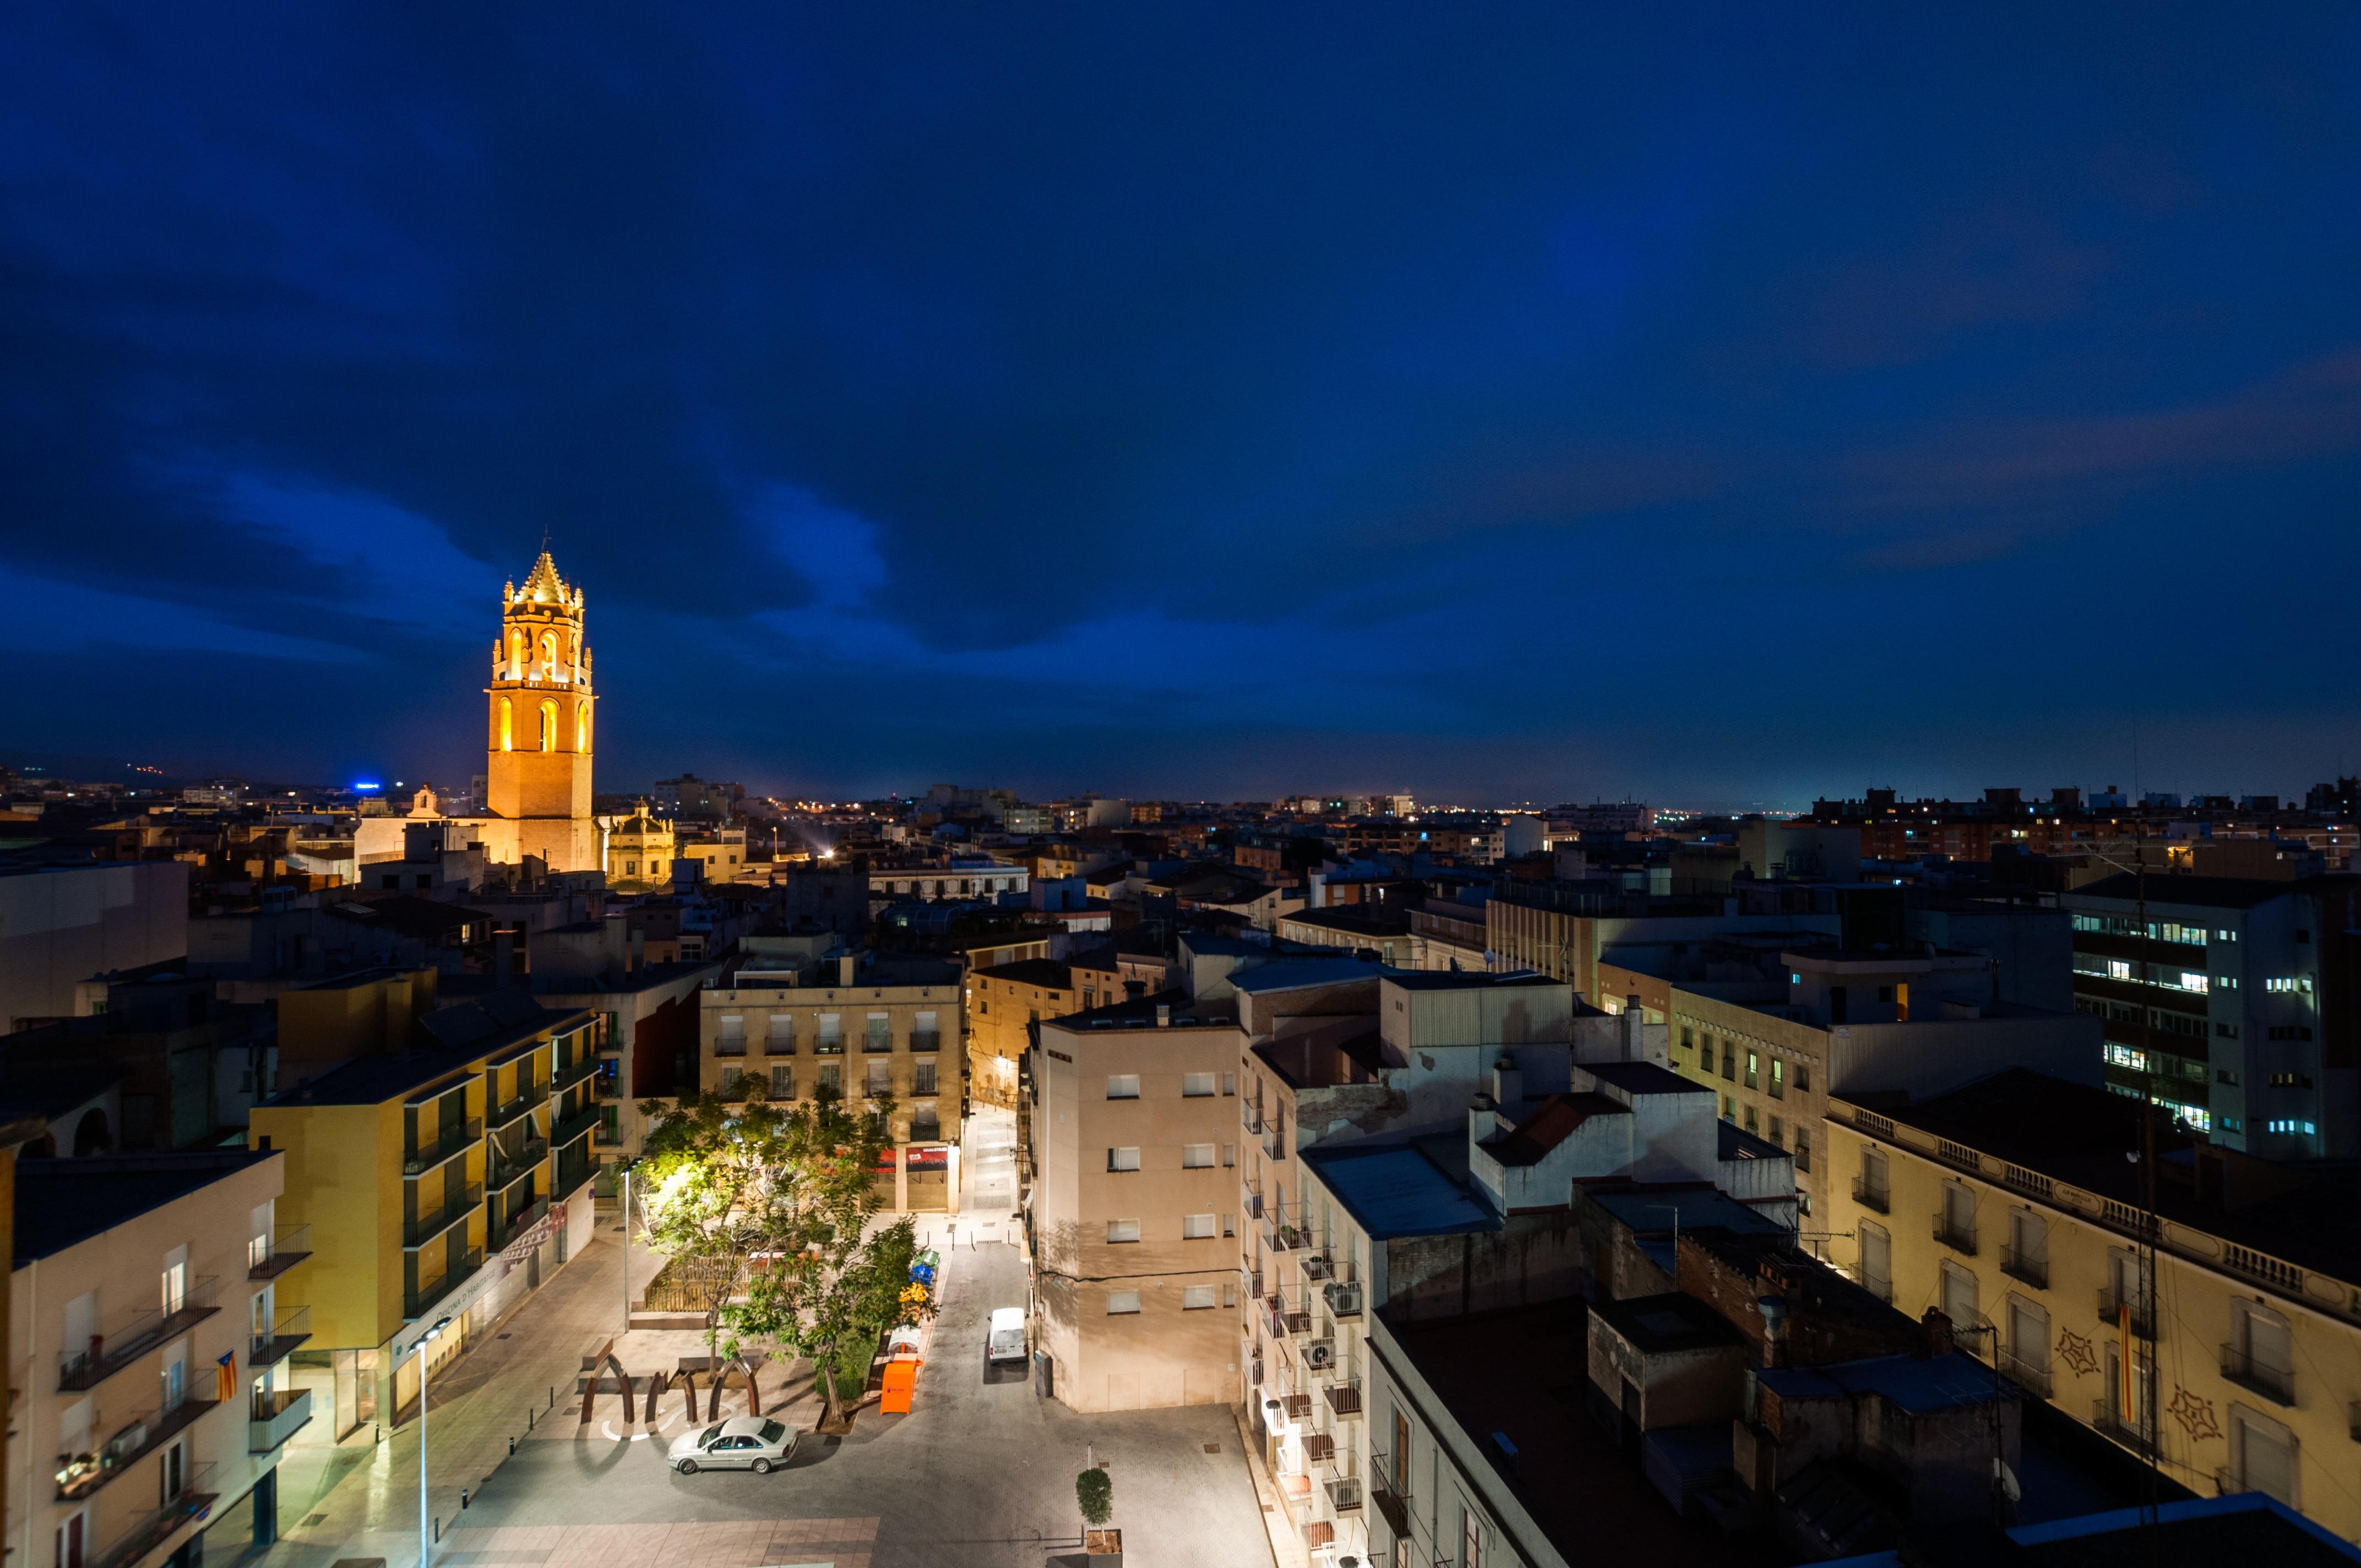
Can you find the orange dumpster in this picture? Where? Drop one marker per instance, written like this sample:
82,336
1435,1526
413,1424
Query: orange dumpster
901,1382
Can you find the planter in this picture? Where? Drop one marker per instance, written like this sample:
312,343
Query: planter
1106,1545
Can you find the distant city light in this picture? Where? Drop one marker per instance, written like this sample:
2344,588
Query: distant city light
368,784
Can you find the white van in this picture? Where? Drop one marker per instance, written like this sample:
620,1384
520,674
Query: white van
1007,1342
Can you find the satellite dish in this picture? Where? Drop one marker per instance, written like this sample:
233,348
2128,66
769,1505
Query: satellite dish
2007,1479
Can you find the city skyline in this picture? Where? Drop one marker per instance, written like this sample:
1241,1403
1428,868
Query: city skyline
1530,407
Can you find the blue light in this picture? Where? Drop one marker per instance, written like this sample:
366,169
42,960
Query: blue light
368,784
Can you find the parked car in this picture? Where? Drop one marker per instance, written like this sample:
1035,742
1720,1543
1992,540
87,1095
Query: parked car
1007,1340
742,1442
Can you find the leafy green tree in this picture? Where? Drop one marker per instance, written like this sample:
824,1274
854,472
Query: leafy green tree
1094,1493
715,1183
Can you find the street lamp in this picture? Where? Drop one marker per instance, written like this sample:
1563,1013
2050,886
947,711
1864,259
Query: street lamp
628,1167
425,1538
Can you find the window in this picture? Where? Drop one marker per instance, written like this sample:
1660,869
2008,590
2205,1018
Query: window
1803,1148
1778,1078
1229,1153
2265,1452
1123,1086
1876,1260
1229,1083
1198,1298
731,1077
1196,1085
548,725
1959,1298
1121,1301
1196,1157
879,1084
1778,1132
831,1080
1729,1059
1802,1078
1197,1227
1753,1124
782,1083
2028,1340
782,1039
880,1033
923,1079
831,1033
1729,1108
1120,1230
1754,1069
1123,1159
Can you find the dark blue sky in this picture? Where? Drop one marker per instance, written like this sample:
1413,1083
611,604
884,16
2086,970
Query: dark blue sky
1725,406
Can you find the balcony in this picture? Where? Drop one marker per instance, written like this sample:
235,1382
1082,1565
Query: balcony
730,1046
1274,1144
289,1245
414,1303
1873,1195
132,1442
2276,1384
611,1085
132,1337
1344,1395
2025,1374
928,1043
1961,1239
421,1157
2033,1271
1253,1200
272,1418
573,1073
271,1347
2112,1303
533,1095
1253,1113
574,1127
1283,1238
523,1220
829,1045
426,1227
1319,1356
508,1170
1319,1448
1318,1268
1344,1495
154,1527
1391,1496
2112,1423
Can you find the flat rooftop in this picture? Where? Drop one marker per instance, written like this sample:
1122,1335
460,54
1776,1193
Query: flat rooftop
1397,1189
63,1202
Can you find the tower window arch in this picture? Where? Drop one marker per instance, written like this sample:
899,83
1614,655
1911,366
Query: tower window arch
548,725
549,654
582,726
516,655
507,725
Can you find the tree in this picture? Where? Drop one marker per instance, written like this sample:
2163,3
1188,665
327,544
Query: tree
1094,1493
716,1178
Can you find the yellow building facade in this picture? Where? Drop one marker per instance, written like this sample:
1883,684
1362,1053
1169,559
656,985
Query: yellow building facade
437,1183
2236,1366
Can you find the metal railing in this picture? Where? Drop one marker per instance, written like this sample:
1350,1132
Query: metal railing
129,1338
507,1172
2113,1423
829,1045
568,1076
2033,1271
265,1348
1961,1239
730,1046
157,1526
2276,1384
1274,1144
2024,1372
520,1222
929,1041
415,1302
876,1044
1870,1195
85,1474
272,1418
289,1246
420,1158
417,1233
1253,1115
2112,1303
574,1127
1344,1395
533,1095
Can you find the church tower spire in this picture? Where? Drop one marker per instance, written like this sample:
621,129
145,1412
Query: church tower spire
541,720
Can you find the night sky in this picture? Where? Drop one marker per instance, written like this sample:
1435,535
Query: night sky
1487,402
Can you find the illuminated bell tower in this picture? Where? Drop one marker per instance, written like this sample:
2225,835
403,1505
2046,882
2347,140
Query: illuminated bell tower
537,771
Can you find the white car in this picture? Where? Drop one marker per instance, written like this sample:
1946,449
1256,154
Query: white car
1005,1339
742,1442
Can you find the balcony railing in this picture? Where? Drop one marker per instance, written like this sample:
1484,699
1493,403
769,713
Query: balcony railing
154,1526
272,1418
574,1127
132,1337
421,1157
876,1044
289,1245
1253,1113
2112,1303
1274,1143
1391,1496
417,1233
1959,1238
829,1045
1344,1395
1318,1268
2276,1384
292,1329
1253,1200
2033,1271
1281,1237
730,1046
506,1172
2112,1422
929,1041
566,1077
415,1302
134,1441
1344,1495
1873,1195
533,1094
2024,1372
519,1222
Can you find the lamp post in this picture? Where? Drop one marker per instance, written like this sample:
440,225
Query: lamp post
425,1536
629,1166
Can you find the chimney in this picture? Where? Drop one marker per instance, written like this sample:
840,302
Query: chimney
1935,1330
844,967
1163,1014
503,952
1634,1015
1508,1082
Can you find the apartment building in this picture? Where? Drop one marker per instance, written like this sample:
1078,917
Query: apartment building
651,1011
441,1181
2234,1005
1003,1001
2221,1340
1135,1218
875,1033
1832,1019
148,1337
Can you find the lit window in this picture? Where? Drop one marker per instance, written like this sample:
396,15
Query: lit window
1122,1230
1123,1159
1121,1301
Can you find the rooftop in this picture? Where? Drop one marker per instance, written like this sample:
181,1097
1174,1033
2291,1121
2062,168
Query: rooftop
60,1202
1356,920
1303,974
1051,972
1396,1189
1659,1325
1921,1384
1468,980
1550,1123
2169,890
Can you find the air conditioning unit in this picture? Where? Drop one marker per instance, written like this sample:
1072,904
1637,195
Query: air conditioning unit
1343,1297
1320,1354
